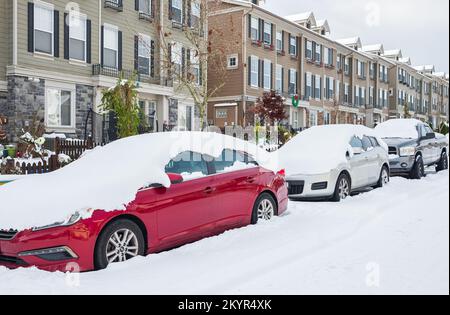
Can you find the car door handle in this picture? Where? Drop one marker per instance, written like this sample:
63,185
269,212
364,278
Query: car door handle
209,190
250,179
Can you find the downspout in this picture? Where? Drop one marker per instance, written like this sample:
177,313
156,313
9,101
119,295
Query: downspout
245,60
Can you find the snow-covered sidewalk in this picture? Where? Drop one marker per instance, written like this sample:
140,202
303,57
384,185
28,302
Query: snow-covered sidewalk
389,241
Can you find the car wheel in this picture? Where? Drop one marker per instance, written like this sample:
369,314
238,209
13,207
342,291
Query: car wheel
120,241
343,188
384,177
418,170
443,163
265,208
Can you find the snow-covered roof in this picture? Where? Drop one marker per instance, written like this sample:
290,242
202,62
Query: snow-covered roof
303,18
406,60
425,68
374,49
353,42
322,25
393,53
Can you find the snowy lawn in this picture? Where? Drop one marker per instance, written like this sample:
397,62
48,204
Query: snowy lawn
389,241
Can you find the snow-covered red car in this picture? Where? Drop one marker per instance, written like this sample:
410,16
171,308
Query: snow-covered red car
331,162
136,196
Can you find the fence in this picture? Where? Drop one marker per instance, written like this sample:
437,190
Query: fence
34,168
74,148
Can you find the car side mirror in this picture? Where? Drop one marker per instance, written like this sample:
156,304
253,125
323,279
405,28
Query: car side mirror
430,135
175,178
357,151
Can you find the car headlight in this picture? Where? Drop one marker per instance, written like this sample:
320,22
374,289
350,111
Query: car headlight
407,151
74,218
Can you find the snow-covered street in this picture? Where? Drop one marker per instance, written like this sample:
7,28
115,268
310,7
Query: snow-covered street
393,240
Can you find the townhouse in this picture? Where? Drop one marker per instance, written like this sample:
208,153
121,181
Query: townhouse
57,56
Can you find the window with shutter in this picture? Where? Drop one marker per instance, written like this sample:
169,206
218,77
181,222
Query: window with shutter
43,28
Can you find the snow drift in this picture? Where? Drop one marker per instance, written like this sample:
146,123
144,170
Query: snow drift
320,149
108,177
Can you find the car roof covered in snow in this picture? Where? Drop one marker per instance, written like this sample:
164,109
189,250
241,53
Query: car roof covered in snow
320,149
398,128
108,177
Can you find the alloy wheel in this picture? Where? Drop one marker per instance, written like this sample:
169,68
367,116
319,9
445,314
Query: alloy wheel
265,210
344,188
384,177
122,246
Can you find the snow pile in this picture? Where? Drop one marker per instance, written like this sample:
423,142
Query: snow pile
320,149
398,128
107,178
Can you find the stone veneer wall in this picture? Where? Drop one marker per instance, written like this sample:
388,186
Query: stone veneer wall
84,103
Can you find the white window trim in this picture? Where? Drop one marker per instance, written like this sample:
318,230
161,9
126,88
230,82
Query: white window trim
149,7
51,7
115,29
66,87
256,73
179,8
269,25
229,58
279,78
267,67
142,39
82,17
253,19
294,74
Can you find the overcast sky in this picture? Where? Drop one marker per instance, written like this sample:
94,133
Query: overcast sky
419,27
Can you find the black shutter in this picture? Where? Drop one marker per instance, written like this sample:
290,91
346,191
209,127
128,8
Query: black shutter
183,62
66,37
102,44
170,10
189,12
185,13
282,80
289,80
136,53
188,62
89,41
261,74
306,96
153,8
169,62
56,33
313,88
152,58
249,26
200,74
271,76
296,82
273,34
282,41
136,5
249,66
30,27
119,55
261,29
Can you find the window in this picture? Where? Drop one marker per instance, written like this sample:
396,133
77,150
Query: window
374,142
346,93
195,14
145,6
280,43
356,143
308,86
312,118
177,57
267,75
144,49
318,87
328,56
177,11
318,53
110,46
292,82
189,165
357,96
43,29
326,118
279,79
267,33
195,68
233,61
77,35
255,28
221,114
309,50
361,69
367,144
254,71
347,66
293,45
231,160
60,104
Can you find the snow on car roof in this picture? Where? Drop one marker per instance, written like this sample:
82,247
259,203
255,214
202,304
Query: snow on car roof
108,177
398,128
320,149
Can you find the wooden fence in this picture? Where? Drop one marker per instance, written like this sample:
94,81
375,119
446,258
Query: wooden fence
35,168
73,148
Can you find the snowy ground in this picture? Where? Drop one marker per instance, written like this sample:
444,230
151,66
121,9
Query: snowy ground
389,241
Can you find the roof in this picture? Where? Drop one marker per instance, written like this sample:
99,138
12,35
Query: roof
393,53
323,24
302,18
351,42
376,48
406,60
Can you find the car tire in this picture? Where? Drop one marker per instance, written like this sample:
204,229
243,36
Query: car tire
343,188
443,162
265,208
384,177
418,170
114,233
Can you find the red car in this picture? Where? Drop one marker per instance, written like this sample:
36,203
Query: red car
208,196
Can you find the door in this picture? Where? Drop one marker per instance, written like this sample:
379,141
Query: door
184,209
435,153
372,161
236,187
427,144
358,164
